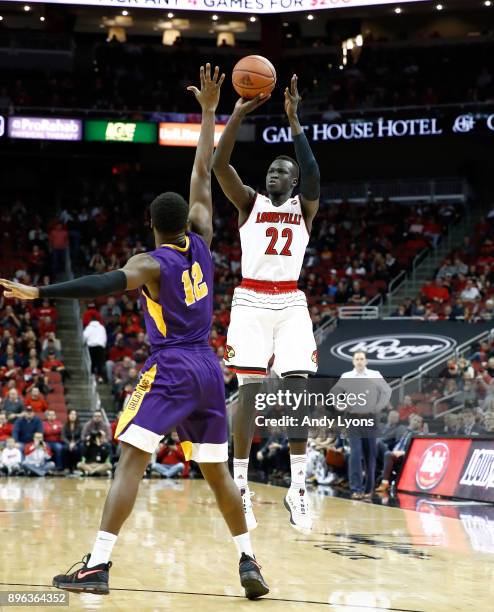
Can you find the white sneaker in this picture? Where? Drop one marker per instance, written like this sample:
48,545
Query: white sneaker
247,505
297,504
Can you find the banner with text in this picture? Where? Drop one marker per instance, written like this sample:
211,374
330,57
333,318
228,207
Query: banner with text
340,128
229,6
453,467
120,131
44,128
396,347
184,134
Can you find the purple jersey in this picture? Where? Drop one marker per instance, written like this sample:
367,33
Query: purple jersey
184,312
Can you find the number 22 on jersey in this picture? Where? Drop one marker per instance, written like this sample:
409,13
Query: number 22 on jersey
198,290
287,233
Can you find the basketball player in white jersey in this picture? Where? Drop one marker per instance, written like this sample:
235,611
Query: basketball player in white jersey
269,314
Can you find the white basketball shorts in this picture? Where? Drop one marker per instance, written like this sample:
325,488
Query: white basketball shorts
262,325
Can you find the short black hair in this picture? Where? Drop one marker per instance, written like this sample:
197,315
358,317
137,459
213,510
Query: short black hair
169,212
292,161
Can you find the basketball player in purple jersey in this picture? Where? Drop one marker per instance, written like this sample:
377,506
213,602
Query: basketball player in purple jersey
181,385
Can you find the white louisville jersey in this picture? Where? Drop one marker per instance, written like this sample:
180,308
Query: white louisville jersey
274,240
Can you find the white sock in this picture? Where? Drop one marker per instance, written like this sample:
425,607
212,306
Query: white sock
240,469
103,545
243,544
298,465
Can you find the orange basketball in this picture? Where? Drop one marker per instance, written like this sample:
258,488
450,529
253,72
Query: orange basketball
253,75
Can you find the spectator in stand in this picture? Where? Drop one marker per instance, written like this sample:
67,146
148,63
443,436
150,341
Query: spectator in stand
447,269
357,294
6,429
47,310
458,308
95,337
52,364
393,458
342,293
26,426
471,292
96,424
52,434
436,291
51,344
36,401
393,429
110,309
71,437
59,241
274,456
470,426
95,455
451,424
170,459
12,405
10,459
37,457
417,309
91,313
406,409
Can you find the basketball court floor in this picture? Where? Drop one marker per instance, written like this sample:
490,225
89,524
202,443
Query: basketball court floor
174,553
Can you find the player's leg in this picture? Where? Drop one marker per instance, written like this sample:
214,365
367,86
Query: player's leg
295,359
136,431
230,504
93,576
249,348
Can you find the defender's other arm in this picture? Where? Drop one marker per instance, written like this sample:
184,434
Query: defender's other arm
139,270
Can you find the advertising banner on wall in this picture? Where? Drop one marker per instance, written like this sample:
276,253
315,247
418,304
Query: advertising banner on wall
45,128
452,467
120,131
396,347
379,128
184,134
230,6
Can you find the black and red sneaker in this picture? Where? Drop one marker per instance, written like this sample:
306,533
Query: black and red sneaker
86,579
251,578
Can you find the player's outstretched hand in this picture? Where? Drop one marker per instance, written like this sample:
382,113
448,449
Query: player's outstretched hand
244,107
18,290
209,94
292,98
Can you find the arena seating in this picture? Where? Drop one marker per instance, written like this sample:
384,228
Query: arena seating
146,76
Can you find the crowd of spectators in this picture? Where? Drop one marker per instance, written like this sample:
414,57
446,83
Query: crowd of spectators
144,76
463,287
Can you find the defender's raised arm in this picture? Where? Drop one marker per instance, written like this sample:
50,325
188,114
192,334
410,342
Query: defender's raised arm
200,200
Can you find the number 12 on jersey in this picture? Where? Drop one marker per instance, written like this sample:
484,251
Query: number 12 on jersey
272,232
198,290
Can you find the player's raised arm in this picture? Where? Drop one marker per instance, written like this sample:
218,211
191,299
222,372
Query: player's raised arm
241,196
140,270
200,200
310,178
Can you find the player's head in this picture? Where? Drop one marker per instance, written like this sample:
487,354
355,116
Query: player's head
282,176
169,212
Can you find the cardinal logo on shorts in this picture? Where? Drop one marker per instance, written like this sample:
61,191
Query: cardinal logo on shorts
229,352
314,356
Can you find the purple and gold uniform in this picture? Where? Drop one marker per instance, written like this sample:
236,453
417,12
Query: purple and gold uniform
181,384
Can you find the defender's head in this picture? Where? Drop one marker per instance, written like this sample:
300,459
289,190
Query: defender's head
282,176
169,212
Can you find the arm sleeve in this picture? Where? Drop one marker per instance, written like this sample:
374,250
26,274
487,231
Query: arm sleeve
87,286
310,179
